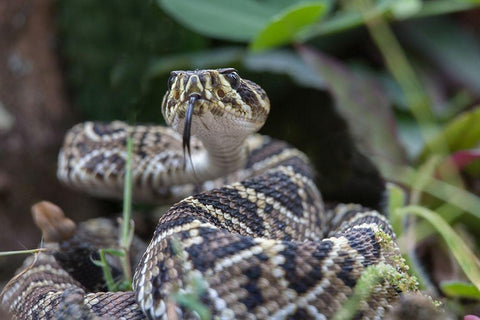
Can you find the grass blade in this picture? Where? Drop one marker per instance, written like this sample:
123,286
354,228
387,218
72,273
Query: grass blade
462,253
10,253
458,289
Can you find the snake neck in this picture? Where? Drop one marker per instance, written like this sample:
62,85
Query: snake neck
227,154
222,155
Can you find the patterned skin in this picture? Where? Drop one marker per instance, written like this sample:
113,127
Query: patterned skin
256,232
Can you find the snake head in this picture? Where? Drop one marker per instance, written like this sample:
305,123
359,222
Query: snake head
214,102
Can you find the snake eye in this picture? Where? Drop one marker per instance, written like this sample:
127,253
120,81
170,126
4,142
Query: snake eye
234,79
171,80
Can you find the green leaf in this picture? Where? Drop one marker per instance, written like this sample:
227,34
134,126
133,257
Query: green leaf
285,62
463,132
457,289
225,19
463,254
98,263
274,61
285,26
226,56
406,8
114,252
344,20
363,105
443,7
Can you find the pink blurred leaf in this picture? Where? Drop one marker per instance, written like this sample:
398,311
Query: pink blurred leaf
471,317
463,158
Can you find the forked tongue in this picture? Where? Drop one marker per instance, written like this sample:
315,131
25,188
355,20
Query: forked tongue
188,126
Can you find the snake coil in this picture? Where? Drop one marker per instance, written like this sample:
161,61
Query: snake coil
250,222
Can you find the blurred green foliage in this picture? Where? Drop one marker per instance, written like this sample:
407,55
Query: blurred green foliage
107,48
398,80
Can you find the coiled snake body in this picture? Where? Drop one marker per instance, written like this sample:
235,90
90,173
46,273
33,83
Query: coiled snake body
256,232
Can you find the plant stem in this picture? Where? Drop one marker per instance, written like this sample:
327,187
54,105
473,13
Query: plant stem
126,225
107,273
127,196
10,253
398,65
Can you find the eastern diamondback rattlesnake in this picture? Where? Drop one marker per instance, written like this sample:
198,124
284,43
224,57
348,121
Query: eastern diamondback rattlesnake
256,231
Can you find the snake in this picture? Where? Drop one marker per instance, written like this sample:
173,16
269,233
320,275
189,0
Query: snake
249,234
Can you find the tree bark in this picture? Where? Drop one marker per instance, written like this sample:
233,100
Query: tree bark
34,115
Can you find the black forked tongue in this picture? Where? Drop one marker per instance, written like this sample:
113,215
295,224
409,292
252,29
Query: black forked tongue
188,126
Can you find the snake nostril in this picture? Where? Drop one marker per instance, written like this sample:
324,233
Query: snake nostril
220,93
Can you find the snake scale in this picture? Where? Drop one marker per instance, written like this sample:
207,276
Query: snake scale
256,231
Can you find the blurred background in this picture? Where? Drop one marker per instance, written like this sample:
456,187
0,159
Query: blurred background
372,91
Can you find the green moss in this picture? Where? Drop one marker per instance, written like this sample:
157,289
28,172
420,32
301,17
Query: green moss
401,279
